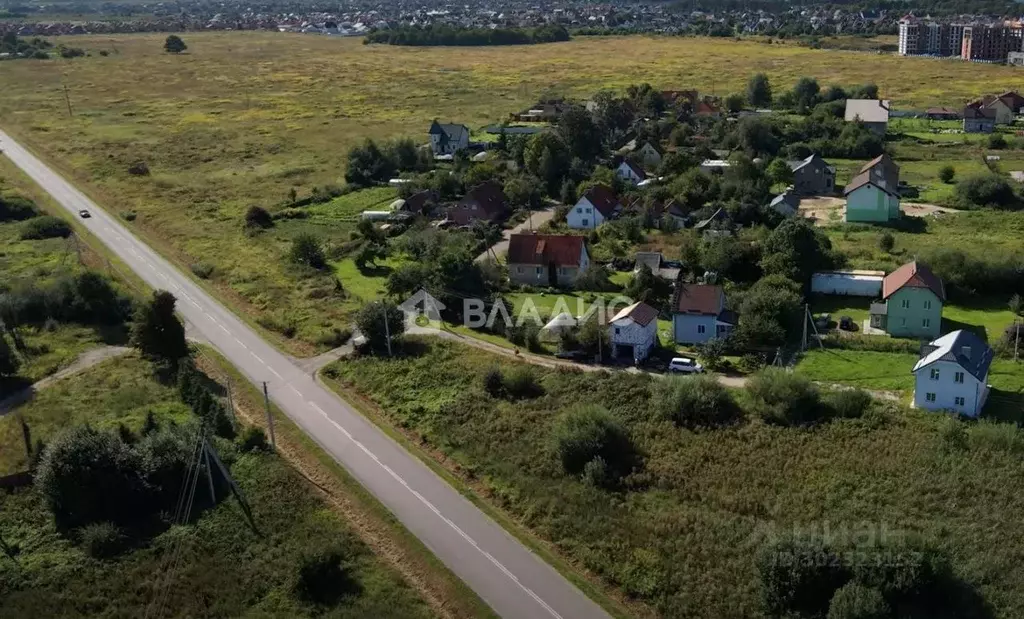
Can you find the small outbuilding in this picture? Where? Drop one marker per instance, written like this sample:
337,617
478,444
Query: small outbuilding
848,283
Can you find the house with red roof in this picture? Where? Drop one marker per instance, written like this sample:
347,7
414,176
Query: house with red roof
486,201
633,332
596,206
554,260
911,304
699,313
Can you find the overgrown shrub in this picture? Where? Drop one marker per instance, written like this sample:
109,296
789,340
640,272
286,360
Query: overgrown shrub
855,341
986,190
587,432
258,218
799,577
784,398
494,383
253,439
307,250
995,436
16,208
848,403
139,168
907,575
521,382
855,601
202,270
194,387
101,540
695,402
323,578
45,227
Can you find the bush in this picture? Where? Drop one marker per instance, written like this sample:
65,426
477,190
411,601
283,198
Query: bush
695,402
996,141
712,353
799,577
258,218
520,382
16,208
855,601
202,270
101,540
494,383
908,576
323,579
307,250
886,242
985,190
784,398
253,439
848,403
129,215
994,436
947,173
139,168
587,432
45,227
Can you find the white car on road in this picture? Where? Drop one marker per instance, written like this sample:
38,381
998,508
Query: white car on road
685,365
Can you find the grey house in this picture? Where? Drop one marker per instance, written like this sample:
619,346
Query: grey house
448,139
813,176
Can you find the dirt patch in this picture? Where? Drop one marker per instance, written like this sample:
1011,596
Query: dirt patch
827,211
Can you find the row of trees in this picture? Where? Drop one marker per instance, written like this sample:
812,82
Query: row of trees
435,35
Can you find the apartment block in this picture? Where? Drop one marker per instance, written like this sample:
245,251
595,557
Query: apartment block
975,42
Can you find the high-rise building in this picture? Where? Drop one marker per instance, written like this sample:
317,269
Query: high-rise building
910,35
990,43
975,42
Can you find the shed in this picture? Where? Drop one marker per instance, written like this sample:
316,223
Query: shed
849,283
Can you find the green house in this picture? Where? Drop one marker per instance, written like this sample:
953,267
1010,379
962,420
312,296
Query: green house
873,195
911,305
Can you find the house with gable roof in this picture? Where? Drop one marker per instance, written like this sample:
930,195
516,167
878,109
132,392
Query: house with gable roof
699,313
448,139
630,172
873,195
911,304
813,176
872,113
952,374
546,259
596,206
486,201
633,331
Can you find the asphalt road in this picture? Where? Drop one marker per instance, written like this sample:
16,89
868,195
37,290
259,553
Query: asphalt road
504,573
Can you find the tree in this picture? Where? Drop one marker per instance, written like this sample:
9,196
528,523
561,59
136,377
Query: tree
695,402
946,173
523,191
779,172
652,289
157,332
805,92
784,398
985,190
257,218
1016,304
45,227
368,164
403,154
580,134
594,278
589,432
174,44
324,578
734,103
9,363
306,249
855,601
886,242
996,141
547,157
772,312
798,578
796,250
759,91
376,320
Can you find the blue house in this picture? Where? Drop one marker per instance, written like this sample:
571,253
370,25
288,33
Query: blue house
699,314
952,374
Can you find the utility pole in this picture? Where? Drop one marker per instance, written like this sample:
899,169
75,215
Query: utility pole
387,327
803,342
67,100
270,418
209,473
231,402
26,435
1016,337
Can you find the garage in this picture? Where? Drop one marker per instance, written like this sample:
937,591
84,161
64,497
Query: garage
849,283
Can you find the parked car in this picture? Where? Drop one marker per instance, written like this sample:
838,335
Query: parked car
84,214
846,323
685,365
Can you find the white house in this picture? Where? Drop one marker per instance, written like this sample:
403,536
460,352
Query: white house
596,206
952,374
650,155
630,172
634,331
699,314
448,139
872,113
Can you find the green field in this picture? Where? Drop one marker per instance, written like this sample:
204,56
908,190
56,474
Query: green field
243,118
681,536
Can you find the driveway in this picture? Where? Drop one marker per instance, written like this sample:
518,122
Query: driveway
534,221
85,361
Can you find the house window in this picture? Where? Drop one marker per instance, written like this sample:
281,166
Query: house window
519,269
935,374
579,209
700,329
926,322
588,210
927,304
959,401
586,222
616,330
929,397
539,270
958,377
903,322
905,303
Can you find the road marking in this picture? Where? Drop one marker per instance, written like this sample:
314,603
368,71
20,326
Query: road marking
225,329
422,499
255,355
274,372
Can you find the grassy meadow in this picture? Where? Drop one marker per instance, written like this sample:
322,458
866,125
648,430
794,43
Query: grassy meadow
243,118
681,536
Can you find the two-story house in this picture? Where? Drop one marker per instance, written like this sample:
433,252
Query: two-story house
633,332
485,202
596,206
872,113
630,172
952,374
699,313
873,195
650,154
554,260
813,176
911,305
448,139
